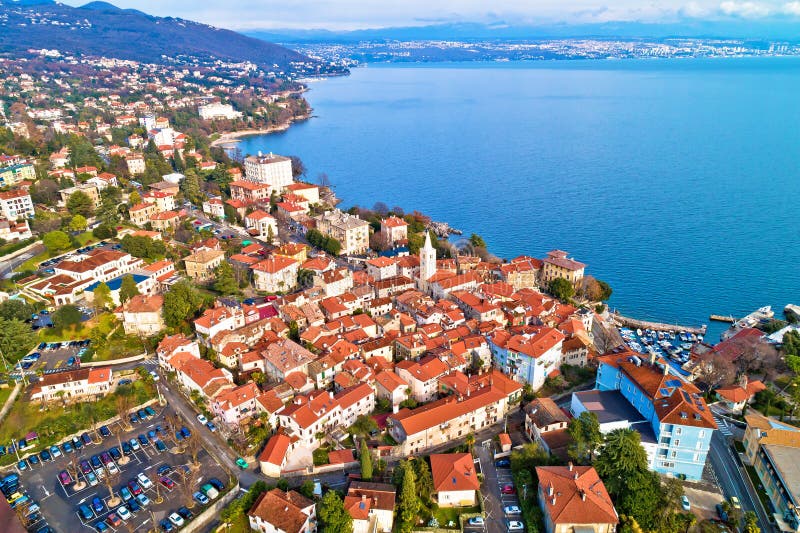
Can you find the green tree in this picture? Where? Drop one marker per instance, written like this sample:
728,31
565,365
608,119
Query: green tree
423,479
366,461
190,186
363,425
78,223
104,231
751,523
333,517
66,316
181,303
128,289
79,203
477,241
102,296
56,241
561,289
110,200
16,339
16,308
408,501
620,456
134,198
586,437
225,282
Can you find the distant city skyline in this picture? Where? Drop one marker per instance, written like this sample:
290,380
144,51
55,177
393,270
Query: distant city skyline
361,14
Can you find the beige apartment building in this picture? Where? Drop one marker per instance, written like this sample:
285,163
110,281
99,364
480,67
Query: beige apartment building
351,232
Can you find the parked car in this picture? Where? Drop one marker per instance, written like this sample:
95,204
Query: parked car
515,525
150,411
134,419
209,491
685,503
476,521
22,465
95,460
143,440
55,451
202,419
507,489
144,481
166,526
178,436
241,463
511,509
185,513
87,440
143,500
160,445
505,462
135,444
142,414
85,513
134,506
65,478
219,485
164,469
91,477
98,505
125,492
105,432
77,443
101,527
185,432
113,520
44,455
112,468
125,381
123,512
200,498
176,519
33,460
67,447
167,482
115,453
211,427
135,488
85,466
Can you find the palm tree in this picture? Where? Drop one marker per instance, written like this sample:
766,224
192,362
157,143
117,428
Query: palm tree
469,440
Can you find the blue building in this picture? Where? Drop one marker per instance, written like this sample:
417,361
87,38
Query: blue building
671,407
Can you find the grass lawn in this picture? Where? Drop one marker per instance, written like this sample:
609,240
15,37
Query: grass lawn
4,394
320,456
33,262
448,516
78,331
56,422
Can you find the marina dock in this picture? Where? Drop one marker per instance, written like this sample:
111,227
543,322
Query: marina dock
656,326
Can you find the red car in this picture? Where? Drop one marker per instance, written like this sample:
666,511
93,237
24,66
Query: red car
135,488
167,482
113,520
64,478
507,489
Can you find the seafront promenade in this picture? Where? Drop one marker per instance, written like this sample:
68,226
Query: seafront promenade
656,326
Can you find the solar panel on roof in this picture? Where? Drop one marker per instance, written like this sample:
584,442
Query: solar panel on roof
673,383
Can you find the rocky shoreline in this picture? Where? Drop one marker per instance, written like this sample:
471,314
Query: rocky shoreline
229,139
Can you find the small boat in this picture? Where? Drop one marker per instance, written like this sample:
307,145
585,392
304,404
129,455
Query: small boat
639,332
686,345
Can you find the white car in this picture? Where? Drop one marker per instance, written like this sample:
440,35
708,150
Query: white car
135,444
92,479
515,525
123,513
143,500
144,481
155,375
202,419
112,468
176,519
475,521
512,509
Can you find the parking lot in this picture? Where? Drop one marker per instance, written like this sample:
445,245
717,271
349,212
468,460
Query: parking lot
53,357
152,483
499,495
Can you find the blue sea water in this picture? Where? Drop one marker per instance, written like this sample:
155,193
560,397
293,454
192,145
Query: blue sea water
675,180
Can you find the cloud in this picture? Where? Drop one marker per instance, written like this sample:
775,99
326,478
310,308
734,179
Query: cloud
792,8
748,10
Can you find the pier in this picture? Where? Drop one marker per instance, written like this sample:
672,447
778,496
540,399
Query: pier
656,326
722,318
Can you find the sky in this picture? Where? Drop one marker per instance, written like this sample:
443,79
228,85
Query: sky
359,14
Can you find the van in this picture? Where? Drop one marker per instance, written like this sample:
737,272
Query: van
209,491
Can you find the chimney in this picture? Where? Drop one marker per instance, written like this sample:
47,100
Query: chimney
570,466
363,497
583,495
575,477
666,368
743,381
550,491
652,358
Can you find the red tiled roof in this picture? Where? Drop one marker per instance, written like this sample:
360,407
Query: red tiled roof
453,472
575,495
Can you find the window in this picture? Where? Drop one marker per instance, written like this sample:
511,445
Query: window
702,434
673,454
677,442
678,431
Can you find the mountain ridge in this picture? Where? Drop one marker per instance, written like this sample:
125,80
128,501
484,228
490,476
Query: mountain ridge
102,29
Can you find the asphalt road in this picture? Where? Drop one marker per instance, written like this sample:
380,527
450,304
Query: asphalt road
8,265
493,500
730,478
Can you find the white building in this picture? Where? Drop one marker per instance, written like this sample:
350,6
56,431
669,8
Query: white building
217,111
15,204
275,170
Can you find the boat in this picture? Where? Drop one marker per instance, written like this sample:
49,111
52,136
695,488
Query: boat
754,319
639,332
